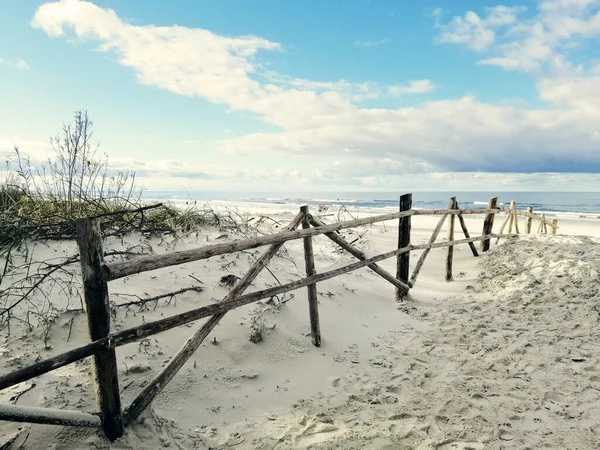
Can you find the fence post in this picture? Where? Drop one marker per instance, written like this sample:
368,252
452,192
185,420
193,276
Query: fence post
309,262
403,259
554,226
95,293
529,219
450,256
488,224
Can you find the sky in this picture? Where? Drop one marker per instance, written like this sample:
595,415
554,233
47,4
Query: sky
271,95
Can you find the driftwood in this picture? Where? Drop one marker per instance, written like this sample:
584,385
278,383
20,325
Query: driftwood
450,255
141,402
360,255
403,259
488,224
148,329
309,264
48,416
95,294
152,262
423,256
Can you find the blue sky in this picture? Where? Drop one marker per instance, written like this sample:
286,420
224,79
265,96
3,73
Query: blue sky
313,95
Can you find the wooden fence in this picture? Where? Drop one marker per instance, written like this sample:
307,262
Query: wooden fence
96,274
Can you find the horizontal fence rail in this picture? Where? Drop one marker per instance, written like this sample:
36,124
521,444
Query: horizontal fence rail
118,270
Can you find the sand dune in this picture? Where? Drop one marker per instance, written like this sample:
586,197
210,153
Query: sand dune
506,356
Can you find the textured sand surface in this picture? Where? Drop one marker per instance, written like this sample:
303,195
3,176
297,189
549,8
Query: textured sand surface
506,356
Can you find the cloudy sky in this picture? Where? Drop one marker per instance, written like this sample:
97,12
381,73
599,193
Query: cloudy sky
311,94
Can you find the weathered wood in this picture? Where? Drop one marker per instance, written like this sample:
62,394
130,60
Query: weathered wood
95,294
49,416
423,256
464,212
503,226
148,329
488,224
554,226
403,259
360,255
511,216
309,264
152,262
450,255
529,220
463,225
515,216
544,224
152,389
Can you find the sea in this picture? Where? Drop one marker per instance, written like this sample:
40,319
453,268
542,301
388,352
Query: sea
566,205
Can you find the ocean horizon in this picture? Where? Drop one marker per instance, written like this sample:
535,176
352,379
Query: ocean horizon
571,205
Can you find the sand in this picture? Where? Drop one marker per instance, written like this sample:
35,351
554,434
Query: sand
505,356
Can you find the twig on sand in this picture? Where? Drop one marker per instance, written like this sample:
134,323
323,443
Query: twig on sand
143,301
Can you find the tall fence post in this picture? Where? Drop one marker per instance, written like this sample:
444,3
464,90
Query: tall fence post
554,226
450,256
95,293
403,260
529,219
488,224
309,262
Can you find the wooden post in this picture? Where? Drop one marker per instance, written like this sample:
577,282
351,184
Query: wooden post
309,262
516,216
529,219
403,260
511,216
450,256
488,224
95,293
554,226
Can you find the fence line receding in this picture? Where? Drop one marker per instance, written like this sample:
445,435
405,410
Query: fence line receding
96,273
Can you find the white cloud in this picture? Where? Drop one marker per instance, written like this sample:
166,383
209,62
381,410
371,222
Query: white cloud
414,87
17,63
529,44
325,118
372,43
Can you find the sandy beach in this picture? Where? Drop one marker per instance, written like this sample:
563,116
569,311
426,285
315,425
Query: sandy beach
505,356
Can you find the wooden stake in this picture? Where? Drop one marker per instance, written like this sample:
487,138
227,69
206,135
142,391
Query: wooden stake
360,255
403,260
95,293
515,216
511,216
554,226
529,219
423,256
488,224
463,225
309,263
450,255
152,389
